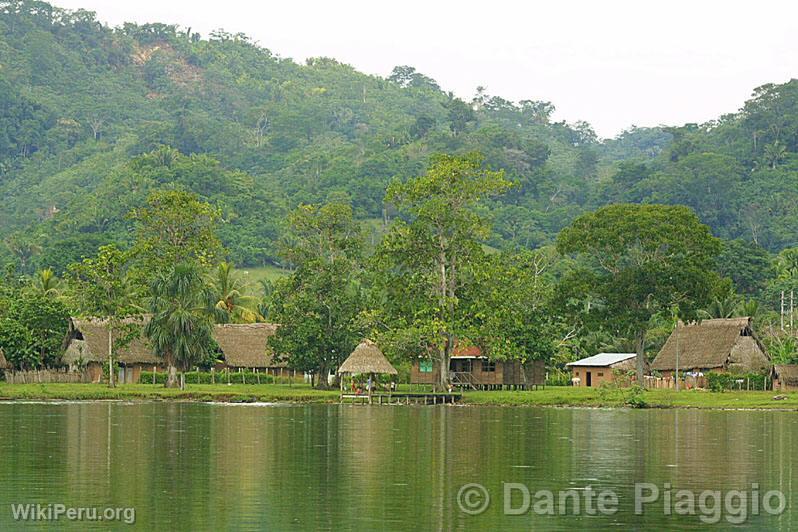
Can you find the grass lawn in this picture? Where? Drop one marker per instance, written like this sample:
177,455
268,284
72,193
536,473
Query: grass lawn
302,393
235,393
596,397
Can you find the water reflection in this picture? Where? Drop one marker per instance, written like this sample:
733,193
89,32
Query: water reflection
197,466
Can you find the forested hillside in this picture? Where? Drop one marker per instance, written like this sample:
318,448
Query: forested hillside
95,118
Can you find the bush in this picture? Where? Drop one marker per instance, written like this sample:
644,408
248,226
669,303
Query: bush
719,382
634,397
559,377
206,377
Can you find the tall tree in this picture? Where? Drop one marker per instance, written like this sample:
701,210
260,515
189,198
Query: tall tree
175,227
638,261
318,305
102,288
427,259
181,326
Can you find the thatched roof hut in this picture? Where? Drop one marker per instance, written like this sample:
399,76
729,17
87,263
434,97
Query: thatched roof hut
3,362
246,345
88,342
367,358
785,377
720,344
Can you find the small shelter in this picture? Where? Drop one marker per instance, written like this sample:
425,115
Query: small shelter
246,346
87,349
4,365
785,377
720,345
599,369
366,359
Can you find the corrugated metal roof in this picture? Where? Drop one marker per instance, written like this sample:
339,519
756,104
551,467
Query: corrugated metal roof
603,359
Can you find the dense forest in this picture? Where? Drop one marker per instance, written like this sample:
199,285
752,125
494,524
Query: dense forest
96,120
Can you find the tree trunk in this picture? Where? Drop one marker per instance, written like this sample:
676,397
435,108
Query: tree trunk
640,346
322,383
182,380
171,379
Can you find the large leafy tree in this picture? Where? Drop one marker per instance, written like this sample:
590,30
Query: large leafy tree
183,312
510,305
102,287
32,329
318,305
175,227
638,261
425,261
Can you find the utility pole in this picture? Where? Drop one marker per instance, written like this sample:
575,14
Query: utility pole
677,355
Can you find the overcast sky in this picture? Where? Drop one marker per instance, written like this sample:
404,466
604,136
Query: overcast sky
613,63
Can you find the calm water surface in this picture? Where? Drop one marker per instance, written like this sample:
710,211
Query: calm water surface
186,466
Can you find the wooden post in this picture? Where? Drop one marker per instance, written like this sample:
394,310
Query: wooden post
369,384
213,375
257,375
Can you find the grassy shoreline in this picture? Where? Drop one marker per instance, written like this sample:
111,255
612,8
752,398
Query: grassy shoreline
280,393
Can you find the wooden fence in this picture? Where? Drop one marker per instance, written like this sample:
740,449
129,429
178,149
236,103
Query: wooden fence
45,376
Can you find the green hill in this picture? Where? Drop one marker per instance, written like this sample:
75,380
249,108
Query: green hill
93,118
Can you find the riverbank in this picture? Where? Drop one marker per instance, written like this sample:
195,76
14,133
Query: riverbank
280,393
223,393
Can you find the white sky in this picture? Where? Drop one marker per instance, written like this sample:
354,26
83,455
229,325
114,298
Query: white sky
613,63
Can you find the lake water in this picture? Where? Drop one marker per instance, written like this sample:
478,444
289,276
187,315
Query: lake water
186,466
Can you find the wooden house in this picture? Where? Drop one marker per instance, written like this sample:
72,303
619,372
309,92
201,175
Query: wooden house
720,345
87,350
469,368
245,346
785,377
601,368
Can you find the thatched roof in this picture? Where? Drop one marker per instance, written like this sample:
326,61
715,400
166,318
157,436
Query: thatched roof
88,341
719,343
246,345
787,373
3,362
367,358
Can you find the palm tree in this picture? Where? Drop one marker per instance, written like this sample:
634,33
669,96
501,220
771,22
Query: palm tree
181,327
774,154
748,308
47,283
229,291
725,306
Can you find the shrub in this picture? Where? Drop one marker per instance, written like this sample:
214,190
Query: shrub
719,382
558,377
206,377
634,397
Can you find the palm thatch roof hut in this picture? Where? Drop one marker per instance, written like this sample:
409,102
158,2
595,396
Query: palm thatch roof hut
246,345
3,362
785,377
727,344
88,342
87,348
367,358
